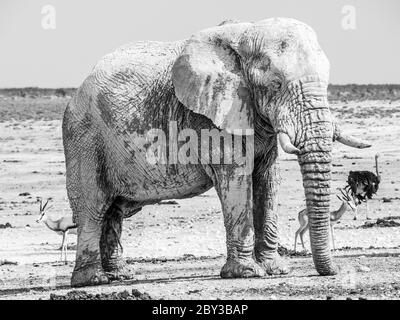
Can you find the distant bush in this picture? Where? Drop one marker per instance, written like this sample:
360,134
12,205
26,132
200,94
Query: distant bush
336,92
37,92
60,92
361,92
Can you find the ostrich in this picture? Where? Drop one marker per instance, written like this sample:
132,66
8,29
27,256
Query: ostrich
363,185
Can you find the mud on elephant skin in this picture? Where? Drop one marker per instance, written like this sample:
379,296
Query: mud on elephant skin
269,78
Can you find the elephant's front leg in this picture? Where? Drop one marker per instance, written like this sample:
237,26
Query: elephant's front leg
265,181
235,192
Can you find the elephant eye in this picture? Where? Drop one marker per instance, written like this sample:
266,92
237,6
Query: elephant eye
275,85
283,45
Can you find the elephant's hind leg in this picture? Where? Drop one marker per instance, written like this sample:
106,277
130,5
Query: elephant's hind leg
110,244
88,268
89,201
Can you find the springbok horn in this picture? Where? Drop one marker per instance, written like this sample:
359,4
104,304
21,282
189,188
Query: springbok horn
286,145
349,140
45,204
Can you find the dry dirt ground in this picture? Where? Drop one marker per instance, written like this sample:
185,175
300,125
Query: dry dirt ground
176,250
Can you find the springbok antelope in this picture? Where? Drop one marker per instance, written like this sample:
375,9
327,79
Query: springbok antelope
347,203
62,226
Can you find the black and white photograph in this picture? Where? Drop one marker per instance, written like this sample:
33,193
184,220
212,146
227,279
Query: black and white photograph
222,151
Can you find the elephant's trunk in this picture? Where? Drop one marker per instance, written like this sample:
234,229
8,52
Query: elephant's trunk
316,171
311,131
316,135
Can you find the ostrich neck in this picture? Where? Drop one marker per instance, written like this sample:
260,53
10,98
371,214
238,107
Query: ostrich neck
376,167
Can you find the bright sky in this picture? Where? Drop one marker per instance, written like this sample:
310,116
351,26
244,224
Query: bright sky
86,30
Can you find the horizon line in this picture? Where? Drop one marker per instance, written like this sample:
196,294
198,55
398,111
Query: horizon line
330,84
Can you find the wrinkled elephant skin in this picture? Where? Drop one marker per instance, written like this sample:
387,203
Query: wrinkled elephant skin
263,79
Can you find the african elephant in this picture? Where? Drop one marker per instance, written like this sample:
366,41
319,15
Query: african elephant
269,77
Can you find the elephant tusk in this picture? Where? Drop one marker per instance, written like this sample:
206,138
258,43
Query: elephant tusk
286,145
353,142
349,140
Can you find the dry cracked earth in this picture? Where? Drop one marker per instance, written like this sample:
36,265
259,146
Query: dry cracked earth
176,249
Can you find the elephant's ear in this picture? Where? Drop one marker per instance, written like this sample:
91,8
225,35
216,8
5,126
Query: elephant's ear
208,80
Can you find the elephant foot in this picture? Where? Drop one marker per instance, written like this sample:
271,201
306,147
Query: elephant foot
89,275
274,265
241,269
330,271
118,270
